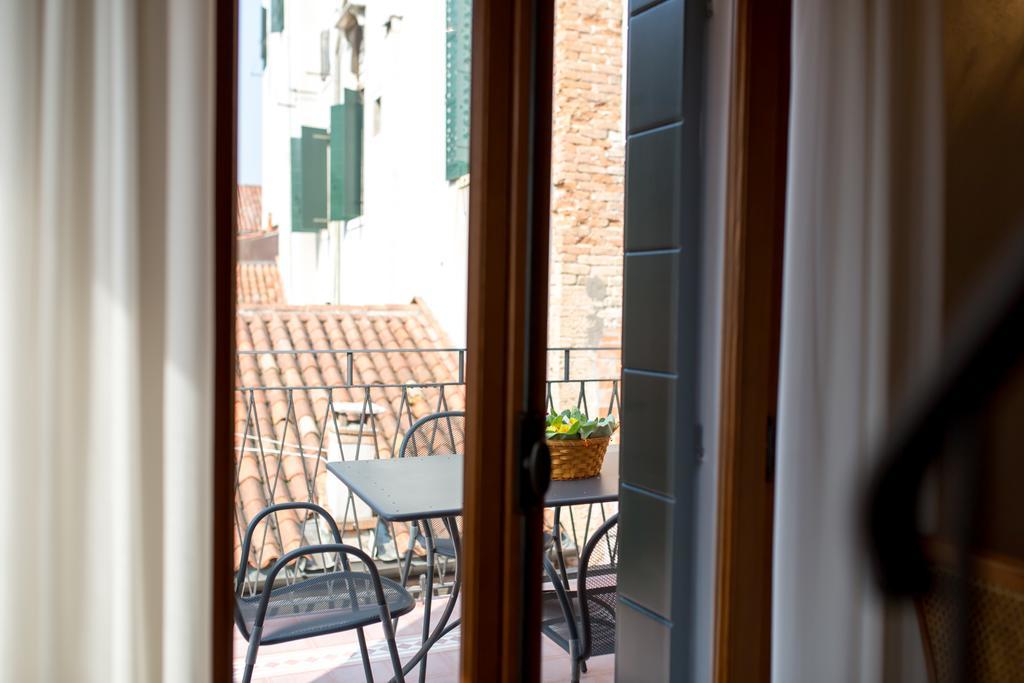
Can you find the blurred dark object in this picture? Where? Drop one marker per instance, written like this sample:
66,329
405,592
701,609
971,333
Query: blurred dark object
988,344
948,421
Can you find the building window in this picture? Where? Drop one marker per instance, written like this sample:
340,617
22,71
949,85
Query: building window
351,26
263,37
325,55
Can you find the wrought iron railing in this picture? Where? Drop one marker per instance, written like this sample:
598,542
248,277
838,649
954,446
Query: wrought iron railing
285,435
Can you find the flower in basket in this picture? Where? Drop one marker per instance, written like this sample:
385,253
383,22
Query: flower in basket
573,424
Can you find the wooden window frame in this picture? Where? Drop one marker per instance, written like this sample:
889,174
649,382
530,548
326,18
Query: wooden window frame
509,206
507,334
755,221
224,215
501,641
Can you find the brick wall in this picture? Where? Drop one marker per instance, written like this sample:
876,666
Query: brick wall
587,165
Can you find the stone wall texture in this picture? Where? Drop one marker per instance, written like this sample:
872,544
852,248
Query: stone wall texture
587,170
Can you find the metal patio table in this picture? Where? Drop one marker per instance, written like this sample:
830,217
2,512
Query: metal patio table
411,489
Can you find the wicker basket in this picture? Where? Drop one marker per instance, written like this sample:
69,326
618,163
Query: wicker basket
577,458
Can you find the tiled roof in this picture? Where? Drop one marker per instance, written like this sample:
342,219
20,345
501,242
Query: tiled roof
295,440
259,283
250,213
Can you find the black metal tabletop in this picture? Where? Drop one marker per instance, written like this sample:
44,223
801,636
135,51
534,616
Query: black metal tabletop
407,489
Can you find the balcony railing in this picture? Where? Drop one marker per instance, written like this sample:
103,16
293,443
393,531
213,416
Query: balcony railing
286,433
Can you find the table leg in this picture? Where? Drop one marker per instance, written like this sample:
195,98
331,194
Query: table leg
443,627
428,597
453,532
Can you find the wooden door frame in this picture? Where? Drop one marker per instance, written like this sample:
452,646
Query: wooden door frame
510,171
499,635
755,221
222,489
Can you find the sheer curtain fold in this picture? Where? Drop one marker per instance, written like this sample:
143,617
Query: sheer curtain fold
106,206
860,319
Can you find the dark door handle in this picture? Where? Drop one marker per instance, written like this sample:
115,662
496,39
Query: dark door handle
534,462
538,471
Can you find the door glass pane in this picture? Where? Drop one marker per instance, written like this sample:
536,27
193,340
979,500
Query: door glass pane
353,195
585,299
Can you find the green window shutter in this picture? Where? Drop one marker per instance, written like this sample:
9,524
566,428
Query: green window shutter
347,158
276,16
263,37
337,163
296,183
458,58
313,161
309,180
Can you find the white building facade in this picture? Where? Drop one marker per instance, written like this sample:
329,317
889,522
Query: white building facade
370,99
365,151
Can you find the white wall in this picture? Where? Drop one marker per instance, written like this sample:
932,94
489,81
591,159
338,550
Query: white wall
295,95
411,239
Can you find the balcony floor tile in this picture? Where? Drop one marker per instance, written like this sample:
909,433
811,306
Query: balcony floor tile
335,658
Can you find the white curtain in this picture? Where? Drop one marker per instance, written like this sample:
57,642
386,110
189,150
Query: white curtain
860,321
105,357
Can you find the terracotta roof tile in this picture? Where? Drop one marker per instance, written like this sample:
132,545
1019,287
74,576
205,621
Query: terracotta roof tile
259,282
249,209
296,429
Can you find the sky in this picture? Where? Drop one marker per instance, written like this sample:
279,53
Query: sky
250,75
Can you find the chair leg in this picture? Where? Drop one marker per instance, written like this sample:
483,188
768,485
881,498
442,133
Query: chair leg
574,655
583,665
250,656
389,636
366,656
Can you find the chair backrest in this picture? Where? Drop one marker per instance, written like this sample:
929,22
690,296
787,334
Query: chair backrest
441,433
597,582
995,620
282,527
315,527
436,434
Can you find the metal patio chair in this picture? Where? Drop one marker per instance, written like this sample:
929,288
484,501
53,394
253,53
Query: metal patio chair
582,621
327,602
441,433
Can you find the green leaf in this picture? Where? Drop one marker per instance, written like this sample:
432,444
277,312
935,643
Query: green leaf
564,430
574,424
